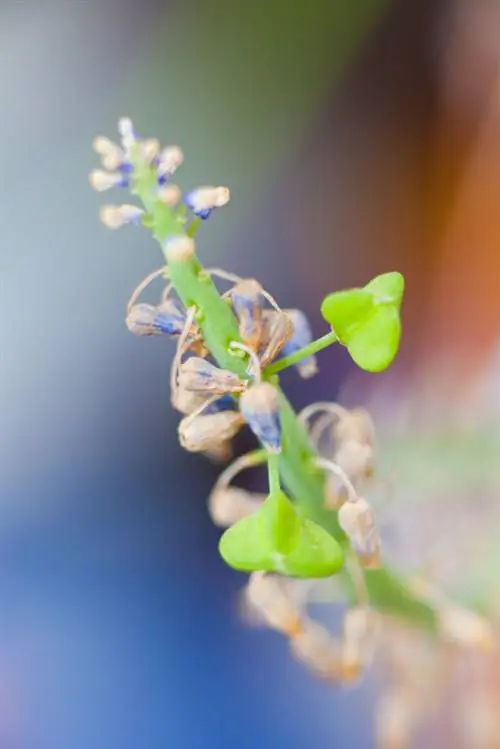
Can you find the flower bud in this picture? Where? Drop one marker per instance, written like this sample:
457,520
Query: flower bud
116,216
204,200
179,249
101,180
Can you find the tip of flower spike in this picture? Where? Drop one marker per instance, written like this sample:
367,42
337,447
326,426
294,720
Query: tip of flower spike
179,249
116,216
125,126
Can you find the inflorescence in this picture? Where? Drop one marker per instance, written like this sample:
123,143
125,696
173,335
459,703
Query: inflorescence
285,552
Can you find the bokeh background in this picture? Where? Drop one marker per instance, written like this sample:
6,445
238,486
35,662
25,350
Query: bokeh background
357,137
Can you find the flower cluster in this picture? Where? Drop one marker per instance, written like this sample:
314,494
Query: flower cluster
222,378
123,163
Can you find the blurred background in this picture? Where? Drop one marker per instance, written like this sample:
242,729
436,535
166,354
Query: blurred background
357,137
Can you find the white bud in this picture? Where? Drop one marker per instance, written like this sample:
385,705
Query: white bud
170,159
101,180
111,154
180,248
116,216
150,148
126,130
170,195
207,198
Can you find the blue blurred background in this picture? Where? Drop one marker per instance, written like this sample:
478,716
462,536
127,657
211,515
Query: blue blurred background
336,125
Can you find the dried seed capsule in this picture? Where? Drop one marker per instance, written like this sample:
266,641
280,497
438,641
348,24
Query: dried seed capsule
357,521
355,426
186,401
260,409
479,722
267,594
220,453
395,720
278,331
302,335
227,505
247,303
165,319
206,430
462,627
358,641
316,649
356,459
202,376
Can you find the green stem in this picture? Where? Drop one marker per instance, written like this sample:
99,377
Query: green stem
312,348
273,467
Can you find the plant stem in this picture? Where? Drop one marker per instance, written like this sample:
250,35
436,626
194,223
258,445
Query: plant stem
273,467
312,348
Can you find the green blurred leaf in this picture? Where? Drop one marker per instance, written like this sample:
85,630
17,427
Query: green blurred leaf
367,320
276,539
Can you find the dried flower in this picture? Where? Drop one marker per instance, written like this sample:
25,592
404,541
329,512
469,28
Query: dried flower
260,409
